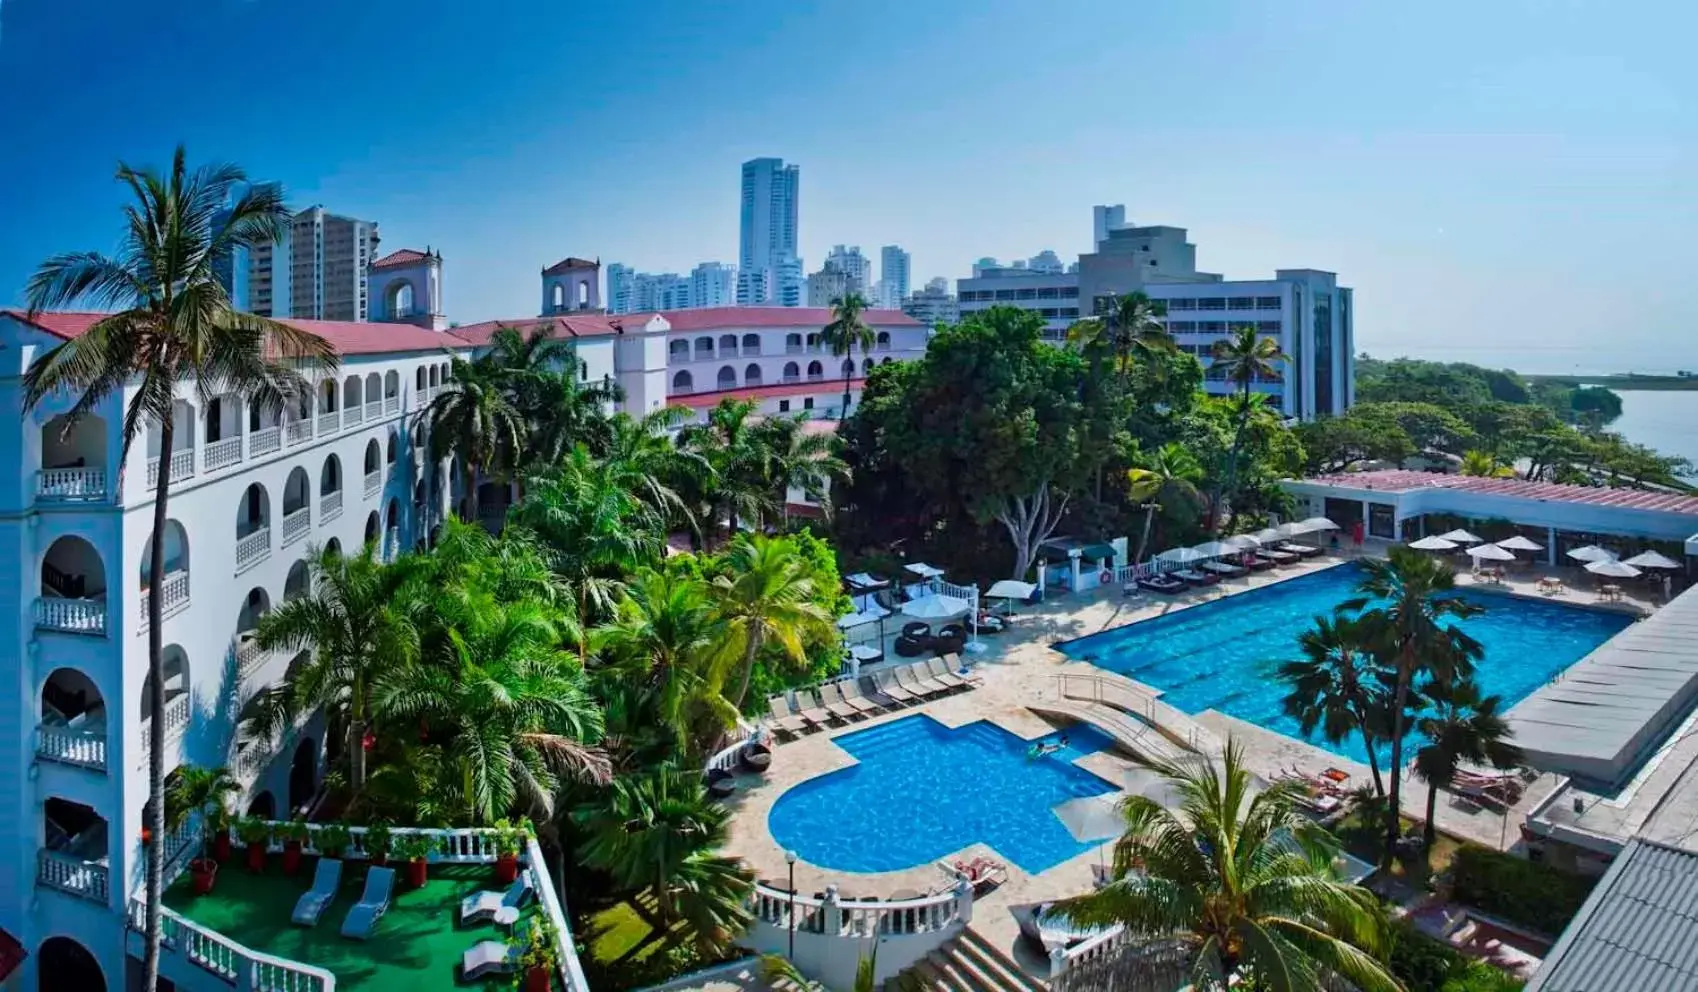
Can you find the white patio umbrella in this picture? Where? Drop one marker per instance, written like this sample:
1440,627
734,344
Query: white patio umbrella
1243,542
1011,589
1591,552
935,607
1433,544
924,570
1461,536
1267,534
1519,543
1316,523
1651,559
1287,531
1180,556
1610,568
1490,552
1092,817
1214,549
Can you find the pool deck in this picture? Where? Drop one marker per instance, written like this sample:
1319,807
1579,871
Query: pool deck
1021,666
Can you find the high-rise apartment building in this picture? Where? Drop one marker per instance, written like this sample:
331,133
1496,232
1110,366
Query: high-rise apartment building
316,271
789,286
621,284
710,284
850,262
933,305
660,291
713,284
893,265
1105,219
768,226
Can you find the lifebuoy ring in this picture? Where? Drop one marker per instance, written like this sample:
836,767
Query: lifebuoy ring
1107,577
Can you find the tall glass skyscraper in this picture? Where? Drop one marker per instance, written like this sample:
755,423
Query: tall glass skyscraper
767,243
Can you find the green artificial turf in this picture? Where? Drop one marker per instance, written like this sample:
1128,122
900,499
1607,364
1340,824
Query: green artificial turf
617,931
416,947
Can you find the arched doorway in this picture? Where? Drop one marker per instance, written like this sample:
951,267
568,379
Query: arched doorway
303,774
66,966
264,806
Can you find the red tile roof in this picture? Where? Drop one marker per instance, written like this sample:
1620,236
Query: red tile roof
1401,481
568,263
405,256
706,318
773,391
588,325
347,337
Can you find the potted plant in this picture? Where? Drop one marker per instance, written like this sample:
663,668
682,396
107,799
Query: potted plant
256,834
294,835
538,959
509,838
331,840
201,791
377,842
414,850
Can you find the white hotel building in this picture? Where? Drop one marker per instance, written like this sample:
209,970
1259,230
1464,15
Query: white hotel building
251,492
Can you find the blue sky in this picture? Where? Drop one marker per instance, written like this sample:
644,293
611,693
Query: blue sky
1511,182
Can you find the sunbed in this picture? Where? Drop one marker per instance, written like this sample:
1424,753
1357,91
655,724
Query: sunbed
1225,570
1300,550
1254,562
908,680
501,908
851,690
810,709
1276,556
1195,578
1167,585
832,697
887,684
488,957
921,673
374,902
783,720
941,673
325,878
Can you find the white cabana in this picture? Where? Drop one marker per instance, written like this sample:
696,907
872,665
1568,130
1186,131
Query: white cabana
1461,536
872,614
1316,523
935,607
1243,542
1591,552
1180,556
1651,559
1215,549
1268,535
1612,569
1011,589
1434,543
1519,543
924,570
1490,552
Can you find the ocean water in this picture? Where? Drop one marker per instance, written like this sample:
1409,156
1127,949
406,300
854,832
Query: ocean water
1664,421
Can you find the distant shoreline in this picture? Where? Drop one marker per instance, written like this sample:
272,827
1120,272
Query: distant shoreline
1623,382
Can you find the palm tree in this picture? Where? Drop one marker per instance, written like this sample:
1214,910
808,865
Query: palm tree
475,419
731,446
767,599
647,826
1172,473
349,621
1244,878
1334,686
710,895
655,468
1485,465
1465,727
195,791
1242,358
543,380
1416,597
1131,326
797,458
845,331
174,327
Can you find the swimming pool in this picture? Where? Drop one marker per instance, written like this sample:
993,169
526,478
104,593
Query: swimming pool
1223,655
923,791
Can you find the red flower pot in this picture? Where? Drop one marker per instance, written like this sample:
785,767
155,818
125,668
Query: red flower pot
256,858
418,870
506,868
221,846
380,859
291,856
537,979
204,871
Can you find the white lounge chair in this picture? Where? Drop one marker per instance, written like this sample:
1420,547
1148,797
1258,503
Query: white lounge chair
941,673
886,682
816,714
374,902
783,720
922,677
851,691
488,957
832,697
325,879
502,908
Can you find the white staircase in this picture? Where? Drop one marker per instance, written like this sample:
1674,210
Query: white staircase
967,963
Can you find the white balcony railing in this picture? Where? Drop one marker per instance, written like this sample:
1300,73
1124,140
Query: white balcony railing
73,875
71,746
374,482
296,525
353,415
792,349
791,377
265,441
816,376
72,616
251,549
176,723
329,506
329,423
231,963
182,467
71,485
392,404
174,595
227,451
296,431
374,409
250,657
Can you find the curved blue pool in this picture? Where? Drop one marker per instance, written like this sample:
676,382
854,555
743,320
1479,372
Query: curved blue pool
1222,655
922,791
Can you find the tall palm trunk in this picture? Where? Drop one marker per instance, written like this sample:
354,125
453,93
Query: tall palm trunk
750,649
1144,537
1226,490
155,884
1430,833
1373,757
357,734
1400,701
848,376
468,482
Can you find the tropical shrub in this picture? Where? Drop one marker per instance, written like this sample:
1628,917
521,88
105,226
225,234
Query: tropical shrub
1423,964
1536,896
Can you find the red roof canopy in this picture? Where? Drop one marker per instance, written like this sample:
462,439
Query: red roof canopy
569,263
1403,480
405,256
577,326
346,336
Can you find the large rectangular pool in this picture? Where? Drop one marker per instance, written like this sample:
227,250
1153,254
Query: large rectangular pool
1224,655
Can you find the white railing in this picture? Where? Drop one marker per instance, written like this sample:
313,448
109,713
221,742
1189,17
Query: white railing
352,416
71,485
374,409
174,594
250,657
1088,951
83,748
727,758
330,506
329,423
374,482
176,722
265,440
571,971
859,920
73,616
296,431
392,404
73,875
296,525
182,467
233,963
218,454
251,549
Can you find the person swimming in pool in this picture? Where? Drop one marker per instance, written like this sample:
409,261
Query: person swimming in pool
1041,749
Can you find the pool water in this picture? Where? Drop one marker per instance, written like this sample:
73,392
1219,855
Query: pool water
1224,655
922,791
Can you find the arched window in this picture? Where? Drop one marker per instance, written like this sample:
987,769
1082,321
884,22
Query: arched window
866,367
327,395
727,377
391,384
704,348
678,350
330,480
792,342
683,382
557,299
431,375
389,454
752,375
813,342
401,299
374,456
583,294
792,372
847,368
254,511
884,361
751,344
351,393
815,371
883,340
728,346
419,377
296,493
